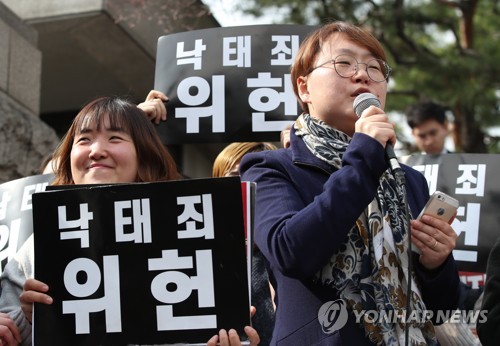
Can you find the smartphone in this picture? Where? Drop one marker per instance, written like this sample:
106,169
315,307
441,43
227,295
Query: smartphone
442,206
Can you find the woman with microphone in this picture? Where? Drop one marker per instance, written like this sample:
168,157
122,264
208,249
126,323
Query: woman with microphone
330,217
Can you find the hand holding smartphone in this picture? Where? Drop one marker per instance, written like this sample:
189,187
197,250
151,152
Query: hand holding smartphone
441,206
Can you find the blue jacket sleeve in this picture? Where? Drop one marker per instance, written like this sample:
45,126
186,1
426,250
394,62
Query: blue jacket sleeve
301,219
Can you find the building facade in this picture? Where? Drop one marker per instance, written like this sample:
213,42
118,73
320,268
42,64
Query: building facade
56,55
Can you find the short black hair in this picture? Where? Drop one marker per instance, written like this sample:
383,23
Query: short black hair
423,111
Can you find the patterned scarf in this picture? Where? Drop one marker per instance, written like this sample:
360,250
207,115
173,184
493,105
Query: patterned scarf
370,270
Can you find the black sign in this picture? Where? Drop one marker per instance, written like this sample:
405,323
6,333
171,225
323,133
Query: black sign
473,180
149,263
228,84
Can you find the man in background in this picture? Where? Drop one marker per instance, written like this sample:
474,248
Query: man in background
429,126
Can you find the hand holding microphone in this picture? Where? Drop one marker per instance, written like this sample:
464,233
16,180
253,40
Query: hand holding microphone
361,103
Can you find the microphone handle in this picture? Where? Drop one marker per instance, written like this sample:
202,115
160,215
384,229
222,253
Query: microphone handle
391,157
362,102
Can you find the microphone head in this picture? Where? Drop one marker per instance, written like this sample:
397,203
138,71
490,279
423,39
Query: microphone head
363,101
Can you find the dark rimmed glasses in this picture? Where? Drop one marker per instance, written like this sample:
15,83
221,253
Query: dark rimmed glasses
347,66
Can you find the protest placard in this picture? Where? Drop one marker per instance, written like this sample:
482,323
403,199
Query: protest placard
145,263
16,221
472,179
228,84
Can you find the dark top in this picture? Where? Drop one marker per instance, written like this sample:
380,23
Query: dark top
263,320
304,209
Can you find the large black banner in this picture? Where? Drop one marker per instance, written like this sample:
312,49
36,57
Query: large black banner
473,180
228,84
150,263
16,221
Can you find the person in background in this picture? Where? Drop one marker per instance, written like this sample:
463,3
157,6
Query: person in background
429,126
154,106
328,214
109,141
227,164
285,137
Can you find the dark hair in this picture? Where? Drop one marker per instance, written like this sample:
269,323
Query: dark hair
154,161
420,112
311,47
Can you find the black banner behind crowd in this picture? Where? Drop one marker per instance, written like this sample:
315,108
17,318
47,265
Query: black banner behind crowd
228,84
149,263
473,180
16,221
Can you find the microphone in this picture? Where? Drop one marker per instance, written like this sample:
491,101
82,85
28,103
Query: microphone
362,102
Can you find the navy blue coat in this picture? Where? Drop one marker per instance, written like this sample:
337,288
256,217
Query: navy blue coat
304,209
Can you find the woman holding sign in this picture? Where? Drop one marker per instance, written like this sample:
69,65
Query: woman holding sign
109,141
329,216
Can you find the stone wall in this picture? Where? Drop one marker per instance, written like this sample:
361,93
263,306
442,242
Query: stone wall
24,138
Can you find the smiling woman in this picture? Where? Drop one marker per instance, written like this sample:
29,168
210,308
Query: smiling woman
110,141
103,152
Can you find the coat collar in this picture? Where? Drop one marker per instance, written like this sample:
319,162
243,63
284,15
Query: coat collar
301,155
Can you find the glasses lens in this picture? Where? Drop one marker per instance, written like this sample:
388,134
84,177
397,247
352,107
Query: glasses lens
377,70
345,65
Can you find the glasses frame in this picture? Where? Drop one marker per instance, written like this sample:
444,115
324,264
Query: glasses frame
355,70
